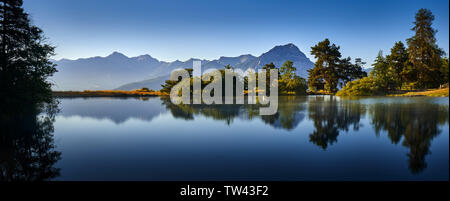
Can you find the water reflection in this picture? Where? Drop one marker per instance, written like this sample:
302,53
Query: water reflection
117,109
154,134
290,112
416,123
27,148
331,116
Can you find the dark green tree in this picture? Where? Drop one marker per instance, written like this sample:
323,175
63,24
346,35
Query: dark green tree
397,61
269,66
424,54
326,67
24,56
167,86
330,70
444,70
315,79
349,72
381,72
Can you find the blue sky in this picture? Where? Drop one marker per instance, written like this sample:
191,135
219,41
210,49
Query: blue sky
207,29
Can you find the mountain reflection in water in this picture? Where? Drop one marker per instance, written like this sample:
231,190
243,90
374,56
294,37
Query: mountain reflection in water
28,150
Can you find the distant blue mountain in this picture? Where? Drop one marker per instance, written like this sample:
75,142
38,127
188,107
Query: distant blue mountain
117,71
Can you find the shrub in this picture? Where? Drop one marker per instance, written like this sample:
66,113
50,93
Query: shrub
366,86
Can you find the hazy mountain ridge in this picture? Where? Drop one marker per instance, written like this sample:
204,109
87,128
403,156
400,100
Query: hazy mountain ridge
117,71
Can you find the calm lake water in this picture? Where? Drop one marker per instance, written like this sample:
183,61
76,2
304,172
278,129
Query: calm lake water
310,138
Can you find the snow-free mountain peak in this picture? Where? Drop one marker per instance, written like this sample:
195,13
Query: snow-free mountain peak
116,70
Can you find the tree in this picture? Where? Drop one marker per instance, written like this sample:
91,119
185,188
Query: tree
24,63
287,71
269,66
444,71
315,80
228,66
289,81
167,86
330,70
381,73
397,61
424,54
348,72
326,67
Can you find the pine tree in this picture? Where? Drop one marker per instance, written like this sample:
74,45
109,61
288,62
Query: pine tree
444,71
24,56
382,73
397,61
424,54
326,67
269,66
330,70
349,72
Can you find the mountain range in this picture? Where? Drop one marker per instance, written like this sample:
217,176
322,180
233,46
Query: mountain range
117,71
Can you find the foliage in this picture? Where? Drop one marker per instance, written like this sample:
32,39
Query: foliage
349,71
444,70
366,86
325,69
406,68
171,83
24,56
396,61
384,75
424,54
289,82
330,70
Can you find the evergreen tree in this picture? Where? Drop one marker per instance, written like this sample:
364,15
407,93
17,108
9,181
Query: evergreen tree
326,67
382,73
397,61
330,70
315,79
444,71
349,72
424,54
24,56
269,66
289,81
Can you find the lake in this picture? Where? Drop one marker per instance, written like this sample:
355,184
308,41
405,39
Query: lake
310,138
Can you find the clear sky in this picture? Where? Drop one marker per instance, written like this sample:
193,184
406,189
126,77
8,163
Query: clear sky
207,29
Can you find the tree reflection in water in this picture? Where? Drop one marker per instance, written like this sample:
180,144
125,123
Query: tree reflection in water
330,116
412,124
27,149
416,123
289,114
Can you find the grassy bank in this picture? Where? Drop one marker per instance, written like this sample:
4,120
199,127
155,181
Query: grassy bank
107,93
429,92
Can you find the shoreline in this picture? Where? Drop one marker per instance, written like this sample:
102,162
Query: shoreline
140,93
107,93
